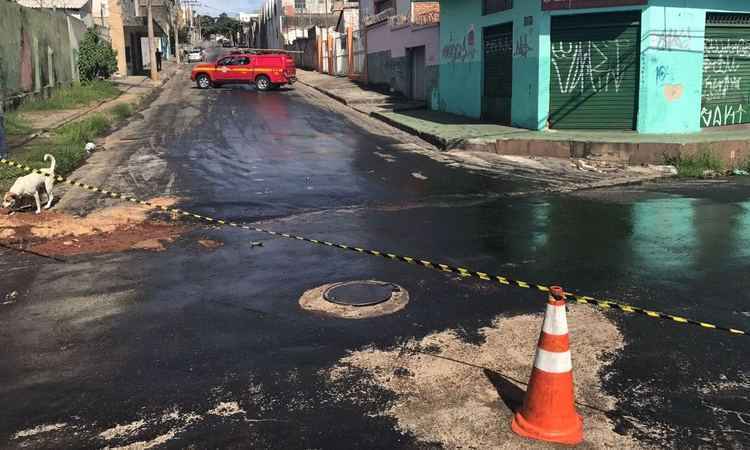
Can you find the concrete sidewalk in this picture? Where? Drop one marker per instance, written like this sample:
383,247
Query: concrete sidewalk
449,131
133,88
356,95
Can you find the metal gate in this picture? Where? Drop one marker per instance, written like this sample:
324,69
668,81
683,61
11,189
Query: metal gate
726,70
498,73
324,50
595,64
358,49
341,67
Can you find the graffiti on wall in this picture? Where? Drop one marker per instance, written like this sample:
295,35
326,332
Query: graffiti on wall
395,67
671,39
720,115
522,46
665,79
724,98
460,51
586,65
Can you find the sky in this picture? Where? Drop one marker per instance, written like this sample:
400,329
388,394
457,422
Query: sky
231,7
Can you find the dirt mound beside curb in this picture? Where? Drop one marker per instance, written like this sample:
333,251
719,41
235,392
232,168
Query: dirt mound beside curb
114,229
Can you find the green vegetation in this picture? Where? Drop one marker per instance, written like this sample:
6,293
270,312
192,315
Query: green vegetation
82,131
121,111
67,145
696,165
223,25
15,125
97,60
75,96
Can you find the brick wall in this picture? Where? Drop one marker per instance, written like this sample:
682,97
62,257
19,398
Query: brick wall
424,13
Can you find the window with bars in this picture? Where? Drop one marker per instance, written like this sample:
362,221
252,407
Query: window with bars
300,5
382,5
493,6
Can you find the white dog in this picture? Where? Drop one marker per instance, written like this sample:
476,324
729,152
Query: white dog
31,185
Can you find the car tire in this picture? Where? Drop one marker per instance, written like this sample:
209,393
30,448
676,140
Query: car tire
203,81
263,83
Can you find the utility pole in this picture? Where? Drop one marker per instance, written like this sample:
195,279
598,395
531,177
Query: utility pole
175,7
151,47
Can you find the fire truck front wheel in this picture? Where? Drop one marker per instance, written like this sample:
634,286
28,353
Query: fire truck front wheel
203,81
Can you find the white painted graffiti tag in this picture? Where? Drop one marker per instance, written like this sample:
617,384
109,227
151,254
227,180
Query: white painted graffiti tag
720,115
721,64
720,67
583,73
718,88
727,47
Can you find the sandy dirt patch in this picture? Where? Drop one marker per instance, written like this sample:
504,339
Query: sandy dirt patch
226,409
39,430
463,395
122,430
113,229
210,244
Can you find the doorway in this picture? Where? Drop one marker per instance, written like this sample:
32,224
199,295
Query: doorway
417,62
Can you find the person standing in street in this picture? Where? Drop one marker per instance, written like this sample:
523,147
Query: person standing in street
158,60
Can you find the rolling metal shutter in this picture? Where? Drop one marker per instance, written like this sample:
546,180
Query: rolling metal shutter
726,70
594,65
498,73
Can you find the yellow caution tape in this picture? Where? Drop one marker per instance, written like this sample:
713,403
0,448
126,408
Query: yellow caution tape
460,271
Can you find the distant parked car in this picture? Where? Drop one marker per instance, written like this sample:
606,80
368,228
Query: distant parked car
195,55
227,44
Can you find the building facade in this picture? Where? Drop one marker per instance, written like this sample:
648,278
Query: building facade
80,9
127,29
282,22
403,45
655,66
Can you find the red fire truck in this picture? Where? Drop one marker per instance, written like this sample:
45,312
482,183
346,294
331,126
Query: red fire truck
266,70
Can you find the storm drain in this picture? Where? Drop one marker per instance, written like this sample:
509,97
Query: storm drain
360,293
355,299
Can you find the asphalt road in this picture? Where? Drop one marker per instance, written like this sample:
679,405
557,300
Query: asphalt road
102,340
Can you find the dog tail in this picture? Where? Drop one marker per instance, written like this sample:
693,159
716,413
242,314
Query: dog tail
52,165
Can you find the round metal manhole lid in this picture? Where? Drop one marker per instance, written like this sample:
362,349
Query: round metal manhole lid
360,293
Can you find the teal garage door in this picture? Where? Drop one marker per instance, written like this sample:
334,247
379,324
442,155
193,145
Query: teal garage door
726,70
594,71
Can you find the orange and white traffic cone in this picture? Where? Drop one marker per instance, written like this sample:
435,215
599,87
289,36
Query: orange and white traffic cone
548,412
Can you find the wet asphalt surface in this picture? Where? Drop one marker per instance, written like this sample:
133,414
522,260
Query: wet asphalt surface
104,340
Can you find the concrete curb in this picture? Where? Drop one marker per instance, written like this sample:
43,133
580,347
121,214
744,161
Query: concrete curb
437,141
378,115
625,152
326,92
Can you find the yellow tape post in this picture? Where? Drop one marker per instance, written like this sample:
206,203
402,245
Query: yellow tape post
460,271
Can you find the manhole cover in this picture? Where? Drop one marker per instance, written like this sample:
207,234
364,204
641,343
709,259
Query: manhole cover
360,293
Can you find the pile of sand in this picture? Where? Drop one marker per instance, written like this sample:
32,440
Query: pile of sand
463,395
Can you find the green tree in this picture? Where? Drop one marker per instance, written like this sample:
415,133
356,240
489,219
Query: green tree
223,25
97,59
